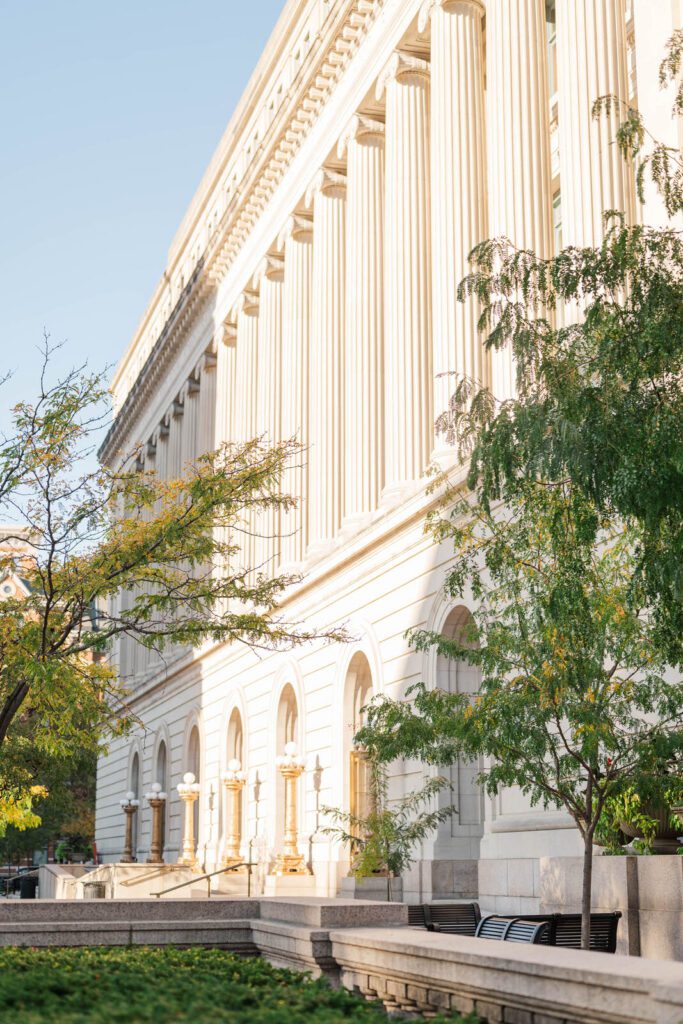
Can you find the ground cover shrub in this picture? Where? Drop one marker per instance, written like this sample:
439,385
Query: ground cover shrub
166,986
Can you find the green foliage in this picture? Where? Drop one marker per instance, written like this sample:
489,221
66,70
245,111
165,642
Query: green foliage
145,986
574,701
115,553
383,841
597,338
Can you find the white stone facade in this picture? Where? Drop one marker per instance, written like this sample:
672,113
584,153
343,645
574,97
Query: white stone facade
311,291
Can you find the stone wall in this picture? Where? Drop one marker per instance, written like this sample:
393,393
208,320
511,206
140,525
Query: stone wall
647,890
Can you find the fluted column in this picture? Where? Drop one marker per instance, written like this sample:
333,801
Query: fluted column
271,276
297,240
363,143
226,367
520,191
206,426
458,197
243,421
408,405
327,195
591,62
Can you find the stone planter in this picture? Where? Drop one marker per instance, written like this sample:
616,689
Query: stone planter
666,837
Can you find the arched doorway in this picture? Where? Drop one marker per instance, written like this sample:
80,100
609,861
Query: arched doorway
357,694
463,830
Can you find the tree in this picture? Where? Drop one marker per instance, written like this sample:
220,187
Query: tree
575,704
599,398
383,840
171,547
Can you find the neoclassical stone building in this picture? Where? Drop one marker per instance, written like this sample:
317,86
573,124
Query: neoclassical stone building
310,291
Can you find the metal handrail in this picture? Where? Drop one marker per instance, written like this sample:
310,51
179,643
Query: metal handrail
201,878
163,868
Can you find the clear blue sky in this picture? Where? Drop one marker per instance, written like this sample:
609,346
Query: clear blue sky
109,113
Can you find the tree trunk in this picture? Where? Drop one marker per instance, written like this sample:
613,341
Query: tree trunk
586,889
11,707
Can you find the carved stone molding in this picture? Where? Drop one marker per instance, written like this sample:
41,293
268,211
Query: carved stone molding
297,227
329,182
448,5
271,267
362,129
401,67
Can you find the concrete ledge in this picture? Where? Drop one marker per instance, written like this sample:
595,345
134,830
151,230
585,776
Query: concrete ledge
506,983
59,911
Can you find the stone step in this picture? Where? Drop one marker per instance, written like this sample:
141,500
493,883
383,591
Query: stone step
126,911
235,935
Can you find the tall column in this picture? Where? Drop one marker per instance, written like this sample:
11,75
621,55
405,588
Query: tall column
206,421
297,240
243,421
520,191
225,382
327,195
271,276
408,405
591,62
458,197
363,143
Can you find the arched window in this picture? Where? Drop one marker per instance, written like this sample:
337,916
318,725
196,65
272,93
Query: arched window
459,676
357,694
162,779
235,752
194,766
287,732
134,787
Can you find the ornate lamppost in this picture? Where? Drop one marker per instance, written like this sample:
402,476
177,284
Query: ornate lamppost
233,780
156,800
130,807
290,861
188,791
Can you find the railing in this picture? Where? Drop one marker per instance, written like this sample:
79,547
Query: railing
201,878
5,880
163,870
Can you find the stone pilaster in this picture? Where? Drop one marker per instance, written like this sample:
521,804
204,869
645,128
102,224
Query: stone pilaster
408,375
327,195
520,199
363,144
591,62
458,194
297,240
268,406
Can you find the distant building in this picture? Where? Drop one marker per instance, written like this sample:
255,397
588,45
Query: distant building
310,290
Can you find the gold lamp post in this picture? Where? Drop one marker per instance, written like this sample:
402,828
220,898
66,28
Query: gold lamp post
130,808
290,861
188,791
156,800
233,780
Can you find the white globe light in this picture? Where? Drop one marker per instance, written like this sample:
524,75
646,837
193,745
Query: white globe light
161,796
130,795
188,778
279,761
290,749
234,765
156,788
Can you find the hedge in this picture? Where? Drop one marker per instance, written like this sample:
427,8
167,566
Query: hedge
141,985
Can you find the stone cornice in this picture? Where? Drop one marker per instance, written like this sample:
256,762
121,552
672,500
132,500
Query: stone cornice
338,40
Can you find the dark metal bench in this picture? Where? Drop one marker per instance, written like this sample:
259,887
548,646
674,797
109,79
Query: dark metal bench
452,918
513,929
563,930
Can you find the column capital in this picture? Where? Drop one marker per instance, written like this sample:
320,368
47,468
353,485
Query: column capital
270,267
297,227
247,303
401,66
360,129
229,330
329,183
450,6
